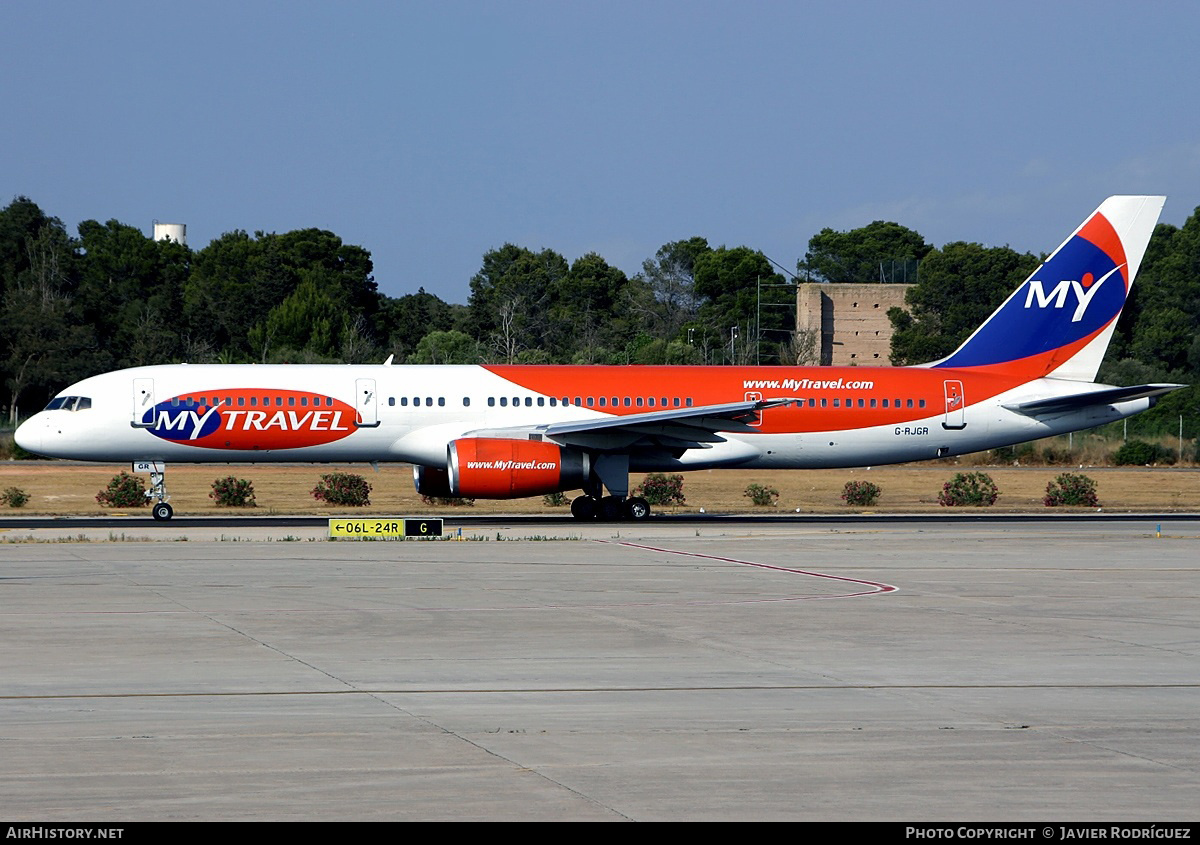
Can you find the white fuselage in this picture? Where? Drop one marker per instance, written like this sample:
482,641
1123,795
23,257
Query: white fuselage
344,413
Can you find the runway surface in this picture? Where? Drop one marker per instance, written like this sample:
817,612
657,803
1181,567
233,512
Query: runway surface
976,671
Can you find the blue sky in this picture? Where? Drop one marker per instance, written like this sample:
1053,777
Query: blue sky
431,132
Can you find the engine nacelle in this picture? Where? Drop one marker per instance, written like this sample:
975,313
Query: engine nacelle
432,481
494,468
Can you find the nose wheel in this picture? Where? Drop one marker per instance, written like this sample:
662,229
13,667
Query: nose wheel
157,493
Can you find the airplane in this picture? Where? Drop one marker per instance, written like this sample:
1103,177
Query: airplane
511,431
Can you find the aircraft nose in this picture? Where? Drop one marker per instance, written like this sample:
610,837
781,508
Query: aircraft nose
30,434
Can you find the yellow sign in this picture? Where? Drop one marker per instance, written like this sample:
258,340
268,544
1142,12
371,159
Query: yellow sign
360,528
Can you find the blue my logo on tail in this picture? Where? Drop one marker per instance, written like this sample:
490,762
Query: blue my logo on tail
1060,320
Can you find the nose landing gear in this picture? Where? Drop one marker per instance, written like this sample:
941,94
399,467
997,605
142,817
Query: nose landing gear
157,471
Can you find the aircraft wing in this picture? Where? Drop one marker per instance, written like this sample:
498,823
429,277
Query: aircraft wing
673,430
1075,401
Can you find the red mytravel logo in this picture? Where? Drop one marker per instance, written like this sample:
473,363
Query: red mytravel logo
248,418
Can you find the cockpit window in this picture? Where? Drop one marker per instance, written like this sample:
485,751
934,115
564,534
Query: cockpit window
69,403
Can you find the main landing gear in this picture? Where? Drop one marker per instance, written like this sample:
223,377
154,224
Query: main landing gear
610,508
611,471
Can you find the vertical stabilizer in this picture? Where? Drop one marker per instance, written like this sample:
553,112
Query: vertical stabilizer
1059,322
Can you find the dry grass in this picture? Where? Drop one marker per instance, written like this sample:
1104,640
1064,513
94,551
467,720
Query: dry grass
69,489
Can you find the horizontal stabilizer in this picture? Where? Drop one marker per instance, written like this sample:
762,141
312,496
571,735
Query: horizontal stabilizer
1108,396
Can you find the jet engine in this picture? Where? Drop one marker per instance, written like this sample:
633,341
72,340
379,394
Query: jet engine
497,468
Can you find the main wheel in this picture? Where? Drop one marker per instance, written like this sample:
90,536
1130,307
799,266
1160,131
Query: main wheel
637,509
162,511
612,509
584,507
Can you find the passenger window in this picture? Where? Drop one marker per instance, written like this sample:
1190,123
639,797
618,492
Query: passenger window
491,401
466,401
503,401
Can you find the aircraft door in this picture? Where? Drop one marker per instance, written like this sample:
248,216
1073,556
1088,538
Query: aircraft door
366,403
956,405
143,401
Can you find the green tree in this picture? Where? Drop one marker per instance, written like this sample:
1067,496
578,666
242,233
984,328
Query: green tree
131,293
510,299
446,347
21,221
1161,322
671,279
589,309
236,281
407,319
43,342
728,279
310,319
867,254
217,295
960,286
